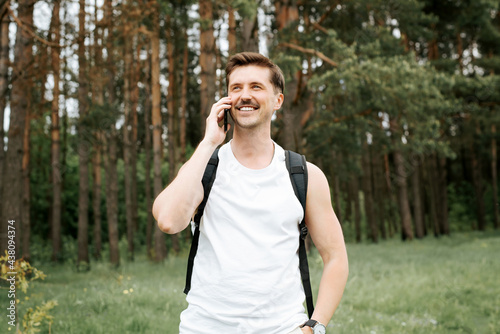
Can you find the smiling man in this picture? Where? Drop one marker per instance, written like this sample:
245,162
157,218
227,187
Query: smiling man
246,276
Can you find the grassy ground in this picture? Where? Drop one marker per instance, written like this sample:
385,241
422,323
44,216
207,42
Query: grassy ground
447,285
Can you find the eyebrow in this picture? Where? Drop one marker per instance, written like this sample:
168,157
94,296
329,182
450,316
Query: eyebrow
260,83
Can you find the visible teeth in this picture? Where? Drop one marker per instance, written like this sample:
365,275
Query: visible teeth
246,109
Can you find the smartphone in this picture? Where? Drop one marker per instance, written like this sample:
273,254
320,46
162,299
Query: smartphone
226,111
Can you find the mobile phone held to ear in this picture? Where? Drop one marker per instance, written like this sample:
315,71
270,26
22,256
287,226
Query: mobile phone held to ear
226,111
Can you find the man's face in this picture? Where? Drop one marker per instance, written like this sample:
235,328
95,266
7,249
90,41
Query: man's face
253,96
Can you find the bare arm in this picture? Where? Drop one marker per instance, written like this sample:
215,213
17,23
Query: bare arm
175,205
326,234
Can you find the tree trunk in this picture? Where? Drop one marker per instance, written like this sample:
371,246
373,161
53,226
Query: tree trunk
4,82
298,98
404,206
417,203
98,99
183,108
231,32
171,105
443,196
207,60
25,212
392,211
96,204
56,138
250,31
431,180
19,103
112,198
494,176
134,97
368,193
378,191
111,158
159,238
83,148
354,189
477,179
147,163
336,186
127,55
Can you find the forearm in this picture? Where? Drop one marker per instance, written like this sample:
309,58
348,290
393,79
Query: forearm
331,288
175,205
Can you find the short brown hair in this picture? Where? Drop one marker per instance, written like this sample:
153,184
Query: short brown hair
253,58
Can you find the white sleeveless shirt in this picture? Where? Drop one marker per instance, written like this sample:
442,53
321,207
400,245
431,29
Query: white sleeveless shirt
246,276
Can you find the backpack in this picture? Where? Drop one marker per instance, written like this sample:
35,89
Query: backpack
297,169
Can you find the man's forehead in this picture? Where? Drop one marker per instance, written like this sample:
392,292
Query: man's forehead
251,73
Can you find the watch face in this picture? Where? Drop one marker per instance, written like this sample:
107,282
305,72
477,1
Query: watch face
319,329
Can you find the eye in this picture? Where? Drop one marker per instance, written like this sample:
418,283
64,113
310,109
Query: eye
235,88
256,87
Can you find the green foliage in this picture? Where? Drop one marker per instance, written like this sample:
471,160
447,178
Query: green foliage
25,274
33,319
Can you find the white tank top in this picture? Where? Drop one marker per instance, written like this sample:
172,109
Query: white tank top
246,276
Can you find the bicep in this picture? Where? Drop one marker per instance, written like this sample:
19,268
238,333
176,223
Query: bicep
321,220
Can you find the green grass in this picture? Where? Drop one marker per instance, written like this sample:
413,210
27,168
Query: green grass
446,285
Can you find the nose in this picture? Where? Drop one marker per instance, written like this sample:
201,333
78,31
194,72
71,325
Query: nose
245,94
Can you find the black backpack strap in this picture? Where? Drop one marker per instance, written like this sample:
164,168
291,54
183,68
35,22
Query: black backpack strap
207,181
297,168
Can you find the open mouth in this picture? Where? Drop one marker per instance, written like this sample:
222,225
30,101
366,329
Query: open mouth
247,108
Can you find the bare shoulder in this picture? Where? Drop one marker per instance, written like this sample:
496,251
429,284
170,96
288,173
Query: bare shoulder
317,181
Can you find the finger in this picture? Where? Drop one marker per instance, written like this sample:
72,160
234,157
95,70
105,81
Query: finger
220,114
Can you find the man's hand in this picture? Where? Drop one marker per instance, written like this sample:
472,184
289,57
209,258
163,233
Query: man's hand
307,330
214,133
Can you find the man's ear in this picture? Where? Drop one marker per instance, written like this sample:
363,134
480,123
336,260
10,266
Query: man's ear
279,101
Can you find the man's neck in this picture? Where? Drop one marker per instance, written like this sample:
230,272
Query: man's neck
252,150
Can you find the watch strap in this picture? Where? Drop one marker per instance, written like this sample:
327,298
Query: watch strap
310,323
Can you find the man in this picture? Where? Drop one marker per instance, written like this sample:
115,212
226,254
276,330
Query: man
246,277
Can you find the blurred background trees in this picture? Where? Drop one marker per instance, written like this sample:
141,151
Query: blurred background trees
102,101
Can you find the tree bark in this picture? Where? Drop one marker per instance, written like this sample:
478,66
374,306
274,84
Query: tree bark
250,30
134,97
56,138
404,206
392,210
417,203
231,33
171,106
128,61
431,180
183,109
207,60
159,238
378,190
494,176
336,186
354,189
22,72
368,193
98,99
4,82
147,163
96,204
111,158
83,147
25,212
112,198
443,196
479,188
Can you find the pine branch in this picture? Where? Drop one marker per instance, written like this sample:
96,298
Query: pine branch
316,53
30,31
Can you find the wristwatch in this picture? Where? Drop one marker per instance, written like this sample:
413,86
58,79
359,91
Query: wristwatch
317,327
